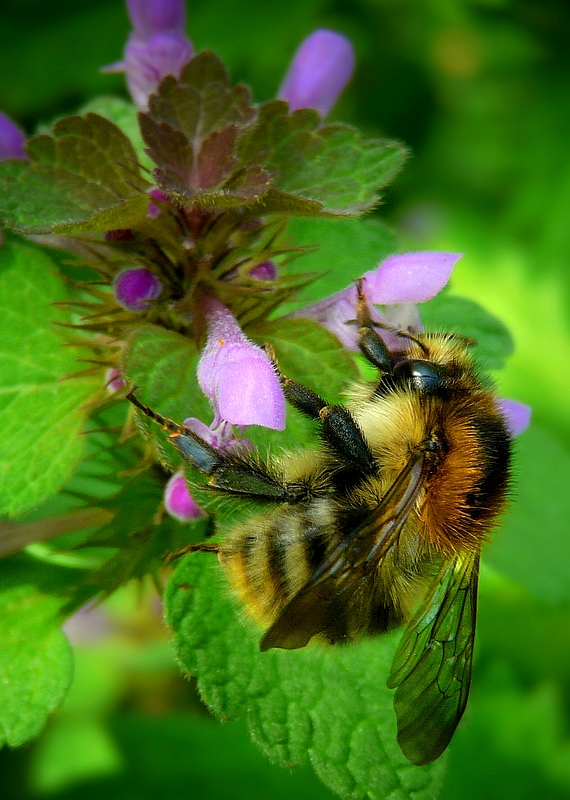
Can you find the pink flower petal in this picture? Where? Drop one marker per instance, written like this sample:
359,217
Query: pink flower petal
398,281
410,277
333,313
248,391
236,375
156,16
147,62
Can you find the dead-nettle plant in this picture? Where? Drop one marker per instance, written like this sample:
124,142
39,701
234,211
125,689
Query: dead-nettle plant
161,245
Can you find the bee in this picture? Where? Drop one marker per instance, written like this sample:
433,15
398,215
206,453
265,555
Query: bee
380,525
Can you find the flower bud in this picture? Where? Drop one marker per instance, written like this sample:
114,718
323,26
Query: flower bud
178,501
517,415
266,271
320,70
113,381
136,287
12,139
154,16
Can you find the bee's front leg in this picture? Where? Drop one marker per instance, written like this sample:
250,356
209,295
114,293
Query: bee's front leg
370,342
340,429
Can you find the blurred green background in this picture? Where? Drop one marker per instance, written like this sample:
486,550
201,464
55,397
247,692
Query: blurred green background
481,93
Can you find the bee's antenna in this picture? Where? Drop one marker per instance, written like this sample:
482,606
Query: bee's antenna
403,334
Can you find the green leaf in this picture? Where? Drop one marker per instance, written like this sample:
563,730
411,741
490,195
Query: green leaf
345,249
532,546
213,147
85,176
318,170
328,705
36,662
41,416
311,355
458,315
124,115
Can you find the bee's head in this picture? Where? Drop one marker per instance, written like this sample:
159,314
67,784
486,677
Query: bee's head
433,362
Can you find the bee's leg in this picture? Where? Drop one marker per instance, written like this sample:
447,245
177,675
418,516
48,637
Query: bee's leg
370,342
340,429
230,473
203,547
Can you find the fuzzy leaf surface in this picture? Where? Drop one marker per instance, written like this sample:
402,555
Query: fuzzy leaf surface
40,415
36,661
211,145
326,705
83,177
124,115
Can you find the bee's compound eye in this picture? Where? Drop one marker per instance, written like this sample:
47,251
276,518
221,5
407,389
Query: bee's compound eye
422,375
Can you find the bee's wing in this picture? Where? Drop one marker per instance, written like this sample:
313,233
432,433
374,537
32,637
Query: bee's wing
432,666
343,572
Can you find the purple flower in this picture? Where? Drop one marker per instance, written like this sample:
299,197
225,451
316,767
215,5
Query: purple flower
236,375
157,197
136,287
266,271
410,277
320,70
178,501
221,436
157,47
12,139
517,415
151,16
399,281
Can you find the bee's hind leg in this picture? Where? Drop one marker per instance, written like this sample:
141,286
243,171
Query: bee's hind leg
202,547
340,429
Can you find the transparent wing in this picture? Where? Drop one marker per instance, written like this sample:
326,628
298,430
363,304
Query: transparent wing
432,666
319,605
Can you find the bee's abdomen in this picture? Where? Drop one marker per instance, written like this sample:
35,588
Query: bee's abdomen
270,558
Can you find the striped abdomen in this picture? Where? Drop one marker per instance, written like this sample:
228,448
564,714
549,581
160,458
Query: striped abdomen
271,557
